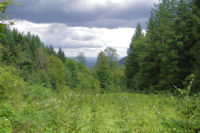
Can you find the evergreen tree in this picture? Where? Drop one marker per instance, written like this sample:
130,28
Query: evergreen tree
72,79
51,50
131,60
165,56
196,48
184,39
161,38
61,55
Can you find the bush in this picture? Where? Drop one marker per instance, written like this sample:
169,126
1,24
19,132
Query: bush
7,117
9,80
5,125
189,108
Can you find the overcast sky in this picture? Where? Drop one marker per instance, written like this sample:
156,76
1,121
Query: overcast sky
87,26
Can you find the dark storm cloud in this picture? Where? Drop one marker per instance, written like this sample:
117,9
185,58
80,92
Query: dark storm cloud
72,13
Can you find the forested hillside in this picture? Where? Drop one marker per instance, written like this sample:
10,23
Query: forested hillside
39,64
156,88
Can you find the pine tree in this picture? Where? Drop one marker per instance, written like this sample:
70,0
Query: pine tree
61,55
184,39
196,48
164,47
131,60
51,50
72,78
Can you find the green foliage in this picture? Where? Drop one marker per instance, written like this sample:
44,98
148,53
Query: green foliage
81,59
5,125
169,51
103,71
61,55
4,5
9,81
196,47
72,75
131,60
56,72
189,107
38,109
2,26
111,53
1,53
41,65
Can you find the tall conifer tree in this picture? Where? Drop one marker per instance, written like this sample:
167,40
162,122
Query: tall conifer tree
131,60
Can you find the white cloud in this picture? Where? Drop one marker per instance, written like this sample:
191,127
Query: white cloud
79,39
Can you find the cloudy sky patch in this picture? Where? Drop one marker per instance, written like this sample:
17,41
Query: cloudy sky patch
78,39
82,25
89,13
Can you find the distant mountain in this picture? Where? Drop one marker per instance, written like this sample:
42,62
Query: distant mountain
121,62
91,61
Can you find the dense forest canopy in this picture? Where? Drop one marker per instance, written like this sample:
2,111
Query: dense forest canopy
169,51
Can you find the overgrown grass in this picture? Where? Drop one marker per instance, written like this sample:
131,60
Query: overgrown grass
37,109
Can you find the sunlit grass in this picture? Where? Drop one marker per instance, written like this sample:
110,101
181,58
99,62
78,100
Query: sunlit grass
73,111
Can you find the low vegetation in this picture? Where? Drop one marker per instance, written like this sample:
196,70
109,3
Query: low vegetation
37,109
30,108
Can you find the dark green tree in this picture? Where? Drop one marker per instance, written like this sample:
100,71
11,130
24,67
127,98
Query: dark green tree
163,48
61,55
196,48
72,79
131,60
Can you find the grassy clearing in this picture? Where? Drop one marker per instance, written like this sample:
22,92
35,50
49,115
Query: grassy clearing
34,110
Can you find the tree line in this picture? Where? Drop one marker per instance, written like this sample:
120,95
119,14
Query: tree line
169,51
39,64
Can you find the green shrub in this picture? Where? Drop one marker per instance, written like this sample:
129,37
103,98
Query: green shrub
9,81
7,117
5,125
189,108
